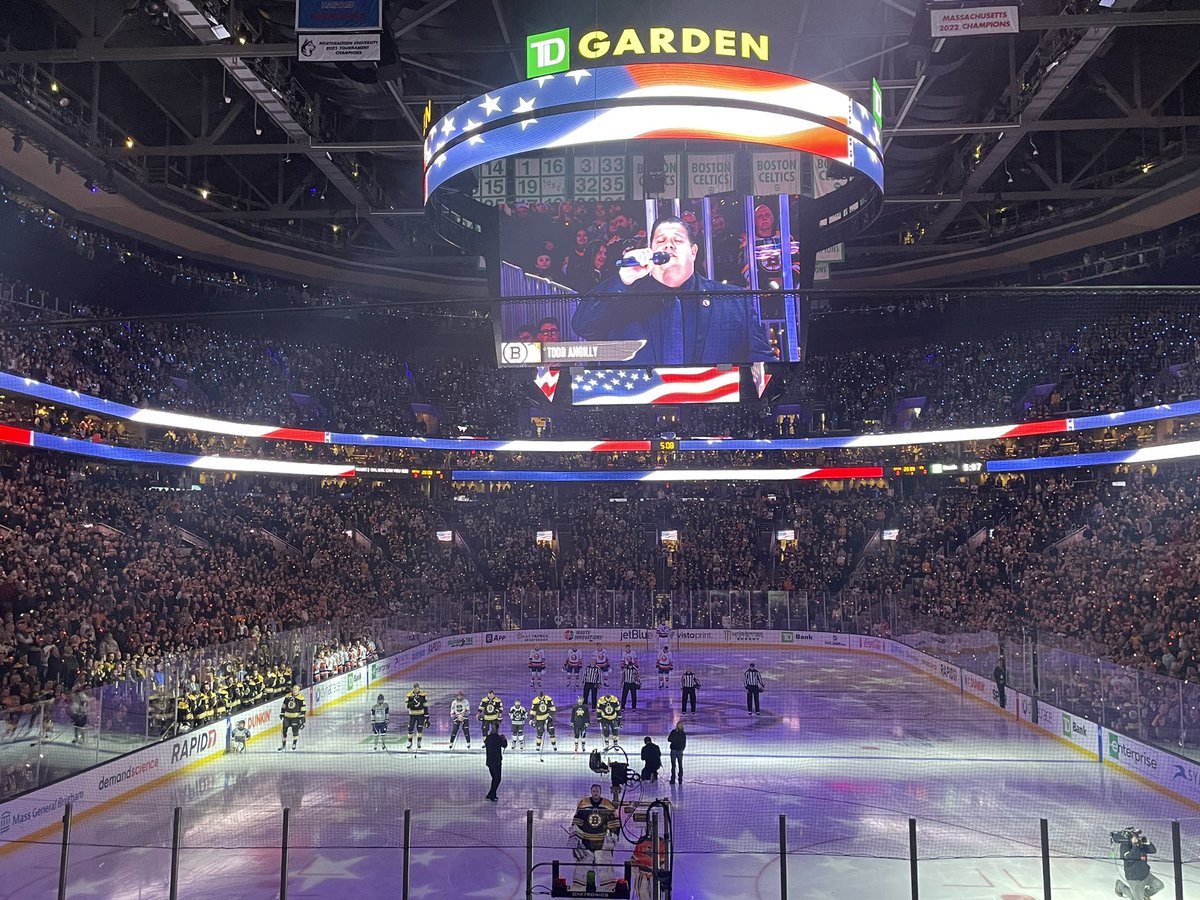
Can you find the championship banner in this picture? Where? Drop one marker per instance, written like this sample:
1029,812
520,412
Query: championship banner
973,20
709,173
776,173
339,15
338,47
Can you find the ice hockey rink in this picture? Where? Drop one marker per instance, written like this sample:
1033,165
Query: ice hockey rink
848,747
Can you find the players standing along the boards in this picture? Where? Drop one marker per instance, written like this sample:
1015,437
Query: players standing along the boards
491,711
600,661
580,719
543,711
664,664
417,704
610,719
517,714
380,714
293,714
573,666
537,667
460,718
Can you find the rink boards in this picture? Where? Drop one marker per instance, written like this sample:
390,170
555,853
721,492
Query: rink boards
37,814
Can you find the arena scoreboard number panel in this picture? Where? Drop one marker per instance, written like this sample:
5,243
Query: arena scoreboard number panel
644,101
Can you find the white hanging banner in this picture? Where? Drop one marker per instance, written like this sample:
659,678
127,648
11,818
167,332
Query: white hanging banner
973,20
338,47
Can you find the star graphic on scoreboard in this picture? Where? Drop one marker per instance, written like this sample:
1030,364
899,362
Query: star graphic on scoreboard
441,161
542,81
470,125
475,139
525,123
629,385
448,126
607,386
523,105
490,104
578,75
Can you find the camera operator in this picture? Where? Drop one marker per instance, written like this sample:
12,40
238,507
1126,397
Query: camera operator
1134,848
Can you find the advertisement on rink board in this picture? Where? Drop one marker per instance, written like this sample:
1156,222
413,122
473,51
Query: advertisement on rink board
1176,774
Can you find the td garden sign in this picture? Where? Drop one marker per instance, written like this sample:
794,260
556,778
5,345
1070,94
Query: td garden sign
552,51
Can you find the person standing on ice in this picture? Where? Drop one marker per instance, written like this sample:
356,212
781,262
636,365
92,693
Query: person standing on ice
753,681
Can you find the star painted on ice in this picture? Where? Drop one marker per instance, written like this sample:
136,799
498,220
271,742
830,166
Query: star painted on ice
322,869
523,105
470,125
490,104
542,81
424,857
448,126
579,74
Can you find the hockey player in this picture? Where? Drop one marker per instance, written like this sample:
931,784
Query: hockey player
537,667
664,664
629,657
491,711
573,666
595,821
78,711
417,704
460,718
543,710
517,714
380,713
580,719
293,714
600,661
664,632
239,736
610,719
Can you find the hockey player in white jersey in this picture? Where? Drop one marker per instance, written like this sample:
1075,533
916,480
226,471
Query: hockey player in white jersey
517,715
664,664
573,666
380,714
537,667
460,718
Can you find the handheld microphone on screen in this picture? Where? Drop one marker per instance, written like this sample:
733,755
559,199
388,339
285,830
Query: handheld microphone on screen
660,258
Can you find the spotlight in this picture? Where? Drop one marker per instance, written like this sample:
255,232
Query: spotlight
242,39
90,185
64,102
1034,146
129,142
18,143
1008,173
54,87
203,193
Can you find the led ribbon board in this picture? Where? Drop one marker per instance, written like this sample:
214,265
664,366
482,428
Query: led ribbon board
19,384
655,101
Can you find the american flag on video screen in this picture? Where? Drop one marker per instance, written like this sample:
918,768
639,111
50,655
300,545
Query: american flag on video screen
611,387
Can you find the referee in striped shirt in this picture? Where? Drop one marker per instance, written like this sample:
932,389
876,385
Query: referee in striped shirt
591,684
689,682
754,686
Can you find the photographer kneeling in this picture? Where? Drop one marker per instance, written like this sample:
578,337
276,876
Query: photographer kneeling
1134,847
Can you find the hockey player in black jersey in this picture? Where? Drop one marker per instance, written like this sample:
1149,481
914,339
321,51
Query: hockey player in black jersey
417,704
543,711
293,714
491,711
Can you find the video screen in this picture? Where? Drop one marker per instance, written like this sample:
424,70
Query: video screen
654,283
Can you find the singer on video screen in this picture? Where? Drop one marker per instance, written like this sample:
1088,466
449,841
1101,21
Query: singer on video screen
677,330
